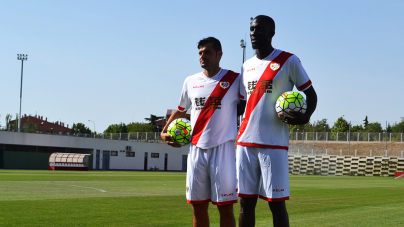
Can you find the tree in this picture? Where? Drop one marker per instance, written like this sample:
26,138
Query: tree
374,127
366,122
341,125
398,127
16,122
306,127
152,121
8,119
357,128
139,127
31,127
321,125
81,128
117,128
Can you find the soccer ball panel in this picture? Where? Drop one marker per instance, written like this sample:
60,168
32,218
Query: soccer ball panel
290,100
180,129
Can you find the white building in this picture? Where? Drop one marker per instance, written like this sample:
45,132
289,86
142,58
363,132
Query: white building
106,154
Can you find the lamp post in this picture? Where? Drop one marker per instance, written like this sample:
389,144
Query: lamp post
94,127
243,45
349,138
22,57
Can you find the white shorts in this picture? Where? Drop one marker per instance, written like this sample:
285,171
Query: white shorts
211,175
263,172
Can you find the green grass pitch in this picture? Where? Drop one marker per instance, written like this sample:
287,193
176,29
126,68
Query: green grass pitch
117,198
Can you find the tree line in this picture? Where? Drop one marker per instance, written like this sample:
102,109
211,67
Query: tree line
342,125
149,126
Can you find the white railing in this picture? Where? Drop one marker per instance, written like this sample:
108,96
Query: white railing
346,137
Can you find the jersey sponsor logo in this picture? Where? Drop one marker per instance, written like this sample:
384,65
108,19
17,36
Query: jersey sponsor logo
249,70
265,86
274,66
224,85
202,86
213,103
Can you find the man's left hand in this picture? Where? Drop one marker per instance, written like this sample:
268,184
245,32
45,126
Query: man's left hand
294,118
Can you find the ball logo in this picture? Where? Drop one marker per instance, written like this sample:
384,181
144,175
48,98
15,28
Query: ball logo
224,85
274,66
185,130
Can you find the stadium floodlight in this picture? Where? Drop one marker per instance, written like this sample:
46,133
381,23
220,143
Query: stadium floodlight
94,127
243,45
22,58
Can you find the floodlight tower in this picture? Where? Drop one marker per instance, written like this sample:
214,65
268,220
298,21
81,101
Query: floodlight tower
243,45
22,57
94,127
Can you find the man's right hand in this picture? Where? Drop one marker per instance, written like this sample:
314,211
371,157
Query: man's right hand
167,138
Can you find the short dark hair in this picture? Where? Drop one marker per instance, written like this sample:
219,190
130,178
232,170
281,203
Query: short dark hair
215,43
268,20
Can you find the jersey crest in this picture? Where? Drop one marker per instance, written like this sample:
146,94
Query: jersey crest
224,85
274,66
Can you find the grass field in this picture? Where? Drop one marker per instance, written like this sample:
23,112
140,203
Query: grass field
100,198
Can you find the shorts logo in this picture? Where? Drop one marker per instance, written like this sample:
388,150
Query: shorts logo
274,66
227,194
187,189
278,190
224,85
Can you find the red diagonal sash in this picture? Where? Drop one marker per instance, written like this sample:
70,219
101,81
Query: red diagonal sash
208,109
256,94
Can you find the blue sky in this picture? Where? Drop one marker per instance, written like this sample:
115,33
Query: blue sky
120,61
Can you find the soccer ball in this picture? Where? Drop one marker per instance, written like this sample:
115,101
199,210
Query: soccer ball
291,100
180,129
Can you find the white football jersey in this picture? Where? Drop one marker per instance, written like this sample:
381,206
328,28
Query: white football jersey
214,107
262,82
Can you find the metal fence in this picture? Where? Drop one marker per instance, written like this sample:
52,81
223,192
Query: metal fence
301,143
346,137
131,136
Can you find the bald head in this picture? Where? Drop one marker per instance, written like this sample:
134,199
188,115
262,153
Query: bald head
266,20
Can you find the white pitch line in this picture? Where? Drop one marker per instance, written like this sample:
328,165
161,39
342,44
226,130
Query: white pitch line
84,187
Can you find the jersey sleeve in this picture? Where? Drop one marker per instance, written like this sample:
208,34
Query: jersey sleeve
243,93
185,102
298,75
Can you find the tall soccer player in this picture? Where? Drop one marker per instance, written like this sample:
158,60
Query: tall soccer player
263,138
211,169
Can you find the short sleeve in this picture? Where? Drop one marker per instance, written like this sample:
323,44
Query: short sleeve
243,93
185,102
298,75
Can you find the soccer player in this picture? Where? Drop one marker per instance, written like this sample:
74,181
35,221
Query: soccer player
211,169
263,137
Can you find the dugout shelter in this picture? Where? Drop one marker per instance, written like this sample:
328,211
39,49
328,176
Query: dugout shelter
69,161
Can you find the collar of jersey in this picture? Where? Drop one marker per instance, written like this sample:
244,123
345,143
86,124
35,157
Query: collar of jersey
213,77
270,57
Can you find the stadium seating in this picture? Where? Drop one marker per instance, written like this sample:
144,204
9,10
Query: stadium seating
330,165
